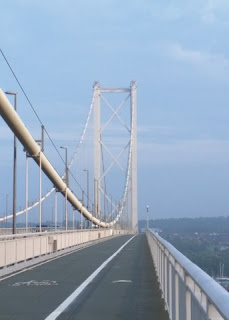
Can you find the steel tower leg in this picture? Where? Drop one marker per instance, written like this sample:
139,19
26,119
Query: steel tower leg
97,149
134,202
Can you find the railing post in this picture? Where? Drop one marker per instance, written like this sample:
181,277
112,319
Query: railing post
166,280
159,269
158,259
188,305
189,284
177,297
204,301
170,289
213,314
163,270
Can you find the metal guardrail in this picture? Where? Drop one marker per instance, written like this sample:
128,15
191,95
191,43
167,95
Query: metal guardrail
23,247
189,292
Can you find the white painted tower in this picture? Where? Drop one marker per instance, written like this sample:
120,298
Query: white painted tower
130,192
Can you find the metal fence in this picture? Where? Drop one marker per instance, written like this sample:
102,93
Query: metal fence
189,293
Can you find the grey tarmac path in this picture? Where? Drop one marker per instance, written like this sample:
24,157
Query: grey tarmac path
34,294
126,289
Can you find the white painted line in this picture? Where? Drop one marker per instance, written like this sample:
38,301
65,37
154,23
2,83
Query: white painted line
83,285
122,281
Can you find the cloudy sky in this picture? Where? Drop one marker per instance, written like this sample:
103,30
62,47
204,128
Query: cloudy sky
178,53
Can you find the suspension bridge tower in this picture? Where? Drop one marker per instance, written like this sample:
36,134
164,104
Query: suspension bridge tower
129,102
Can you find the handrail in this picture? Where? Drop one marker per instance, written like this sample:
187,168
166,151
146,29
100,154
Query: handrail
18,251
200,283
46,231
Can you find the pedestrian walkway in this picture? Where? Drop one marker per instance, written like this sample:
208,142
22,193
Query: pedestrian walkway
126,288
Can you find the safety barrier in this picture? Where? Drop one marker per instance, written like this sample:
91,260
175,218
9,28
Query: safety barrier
23,247
189,293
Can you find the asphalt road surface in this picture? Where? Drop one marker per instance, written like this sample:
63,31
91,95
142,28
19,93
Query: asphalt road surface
126,288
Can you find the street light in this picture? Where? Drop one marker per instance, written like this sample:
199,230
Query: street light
147,212
55,209
6,209
87,188
87,171
81,215
13,93
111,207
26,188
41,144
66,180
66,163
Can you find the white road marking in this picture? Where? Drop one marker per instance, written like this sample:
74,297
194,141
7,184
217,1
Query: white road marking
83,285
34,283
122,281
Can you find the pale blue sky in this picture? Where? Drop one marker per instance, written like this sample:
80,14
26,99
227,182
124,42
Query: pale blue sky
178,53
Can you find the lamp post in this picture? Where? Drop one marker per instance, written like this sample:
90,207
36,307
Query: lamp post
96,198
6,209
27,156
81,215
13,93
87,188
66,180
41,144
26,189
55,209
66,164
73,219
87,172
147,213
111,208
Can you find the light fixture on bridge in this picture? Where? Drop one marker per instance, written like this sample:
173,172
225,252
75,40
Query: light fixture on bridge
147,217
66,181
14,93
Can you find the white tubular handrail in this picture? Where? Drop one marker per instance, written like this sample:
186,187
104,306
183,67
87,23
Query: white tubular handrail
189,292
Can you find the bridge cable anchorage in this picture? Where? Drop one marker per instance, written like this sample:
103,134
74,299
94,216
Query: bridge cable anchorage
19,129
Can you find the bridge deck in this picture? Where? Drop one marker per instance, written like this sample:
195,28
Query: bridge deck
36,293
